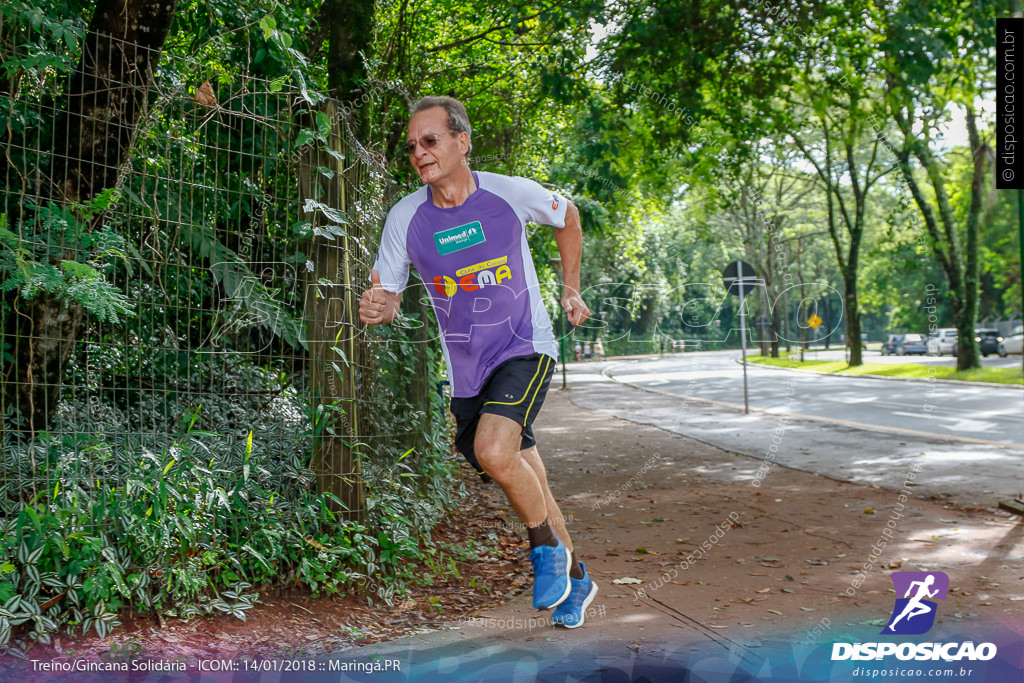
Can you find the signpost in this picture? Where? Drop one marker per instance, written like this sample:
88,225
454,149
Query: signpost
740,278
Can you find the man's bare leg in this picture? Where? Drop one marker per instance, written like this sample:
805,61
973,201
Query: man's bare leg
521,474
555,518
497,444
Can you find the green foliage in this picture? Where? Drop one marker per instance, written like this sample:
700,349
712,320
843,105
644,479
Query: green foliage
40,39
185,522
32,263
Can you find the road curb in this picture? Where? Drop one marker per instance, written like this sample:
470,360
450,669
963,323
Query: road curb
926,380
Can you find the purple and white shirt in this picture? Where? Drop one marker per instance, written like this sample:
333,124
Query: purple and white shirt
476,265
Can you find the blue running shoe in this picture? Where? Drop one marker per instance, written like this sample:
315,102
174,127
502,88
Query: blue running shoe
571,612
551,583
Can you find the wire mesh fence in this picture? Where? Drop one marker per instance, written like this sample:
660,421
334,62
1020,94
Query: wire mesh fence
189,408
176,264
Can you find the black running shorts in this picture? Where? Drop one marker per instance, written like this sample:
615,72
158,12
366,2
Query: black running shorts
515,389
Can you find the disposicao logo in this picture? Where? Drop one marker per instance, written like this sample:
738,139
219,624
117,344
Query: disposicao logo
914,614
462,237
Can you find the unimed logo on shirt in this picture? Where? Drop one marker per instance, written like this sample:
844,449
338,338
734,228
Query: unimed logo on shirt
461,237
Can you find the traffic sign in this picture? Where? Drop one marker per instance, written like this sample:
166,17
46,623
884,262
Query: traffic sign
814,321
732,278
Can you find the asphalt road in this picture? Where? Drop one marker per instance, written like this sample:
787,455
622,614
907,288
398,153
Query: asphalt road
938,409
967,439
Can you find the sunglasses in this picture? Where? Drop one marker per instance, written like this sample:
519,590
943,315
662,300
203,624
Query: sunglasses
426,142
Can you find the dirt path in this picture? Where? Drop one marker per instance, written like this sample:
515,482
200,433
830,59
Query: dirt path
788,552
725,566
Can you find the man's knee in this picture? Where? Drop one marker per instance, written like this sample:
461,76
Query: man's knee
496,460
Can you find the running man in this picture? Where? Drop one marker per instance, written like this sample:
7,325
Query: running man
914,606
465,233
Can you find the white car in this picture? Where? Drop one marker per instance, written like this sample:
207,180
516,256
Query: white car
942,342
1013,343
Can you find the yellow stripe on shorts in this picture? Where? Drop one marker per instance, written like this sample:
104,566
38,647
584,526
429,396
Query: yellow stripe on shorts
527,392
536,391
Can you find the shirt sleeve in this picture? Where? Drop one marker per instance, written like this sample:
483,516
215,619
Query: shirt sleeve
392,262
538,204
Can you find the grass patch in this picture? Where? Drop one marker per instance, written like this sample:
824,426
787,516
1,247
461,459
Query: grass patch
986,374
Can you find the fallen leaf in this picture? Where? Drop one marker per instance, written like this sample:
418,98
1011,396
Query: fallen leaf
775,611
627,580
205,95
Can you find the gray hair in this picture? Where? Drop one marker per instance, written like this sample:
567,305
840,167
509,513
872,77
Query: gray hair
458,119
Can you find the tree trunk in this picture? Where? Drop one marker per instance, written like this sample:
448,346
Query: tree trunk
826,306
349,28
106,98
108,94
959,261
776,327
852,320
330,316
336,380
968,354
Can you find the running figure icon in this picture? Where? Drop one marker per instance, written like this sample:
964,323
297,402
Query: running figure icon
915,607
919,591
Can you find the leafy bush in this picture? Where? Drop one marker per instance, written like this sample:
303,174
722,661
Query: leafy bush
110,511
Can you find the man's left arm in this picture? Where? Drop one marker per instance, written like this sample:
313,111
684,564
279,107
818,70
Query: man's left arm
570,248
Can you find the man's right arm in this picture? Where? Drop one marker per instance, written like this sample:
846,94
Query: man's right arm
377,305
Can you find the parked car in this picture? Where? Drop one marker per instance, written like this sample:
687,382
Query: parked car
1014,343
942,342
912,344
890,344
988,341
